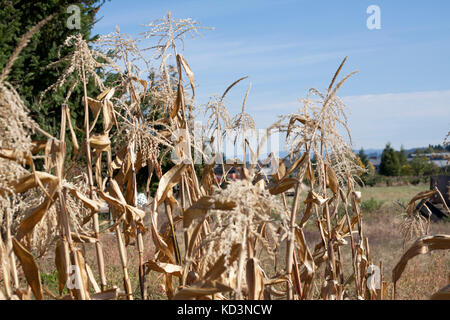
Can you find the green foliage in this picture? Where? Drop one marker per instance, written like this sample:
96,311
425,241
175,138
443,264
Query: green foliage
432,170
30,74
371,205
364,159
402,158
419,165
440,148
406,170
368,177
50,281
371,179
390,164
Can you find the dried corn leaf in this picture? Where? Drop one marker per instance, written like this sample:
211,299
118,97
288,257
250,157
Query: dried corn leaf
61,265
107,94
281,170
329,290
92,204
33,180
95,107
124,208
222,263
312,198
100,142
304,256
5,268
109,117
200,207
165,268
83,273
82,238
119,159
332,180
110,294
421,195
201,289
284,185
298,163
30,268
306,121
255,279
92,280
73,136
168,181
231,86
178,101
21,157
27,225
188,71
442,294
421,246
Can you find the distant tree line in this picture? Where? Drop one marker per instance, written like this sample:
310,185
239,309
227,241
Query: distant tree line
395,164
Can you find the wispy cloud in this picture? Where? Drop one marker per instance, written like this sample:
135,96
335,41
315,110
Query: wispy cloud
412,119
287,46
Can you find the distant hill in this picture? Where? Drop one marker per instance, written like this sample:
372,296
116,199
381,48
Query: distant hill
372,152
377,152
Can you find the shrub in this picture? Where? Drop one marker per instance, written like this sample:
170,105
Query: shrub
371,205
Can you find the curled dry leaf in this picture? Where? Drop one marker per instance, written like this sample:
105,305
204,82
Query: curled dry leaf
100,142
61,265
421,246
255,279
284,185
332,180
111,294
421,195
200,289
188,71
177,104
30,268
27,225
168,181
18,156
166,268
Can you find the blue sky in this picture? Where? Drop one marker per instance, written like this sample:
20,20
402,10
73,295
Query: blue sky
401,93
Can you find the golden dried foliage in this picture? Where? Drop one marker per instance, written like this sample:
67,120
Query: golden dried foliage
234,231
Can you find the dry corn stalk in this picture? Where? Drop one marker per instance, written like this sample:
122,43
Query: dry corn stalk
229,233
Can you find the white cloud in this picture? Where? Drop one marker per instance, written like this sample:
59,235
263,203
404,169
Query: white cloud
412,119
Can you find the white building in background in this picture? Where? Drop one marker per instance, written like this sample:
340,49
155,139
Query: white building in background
439,159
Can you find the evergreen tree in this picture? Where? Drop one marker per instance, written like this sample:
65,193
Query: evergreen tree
390,164
419,165
30,74
364,159
402,158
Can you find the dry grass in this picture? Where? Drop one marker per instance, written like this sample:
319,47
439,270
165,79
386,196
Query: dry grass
393,193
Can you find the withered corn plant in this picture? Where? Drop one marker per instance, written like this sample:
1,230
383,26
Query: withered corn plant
223,239
415,226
